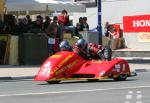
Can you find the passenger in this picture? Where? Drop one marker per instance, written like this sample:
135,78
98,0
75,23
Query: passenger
91,50
65,46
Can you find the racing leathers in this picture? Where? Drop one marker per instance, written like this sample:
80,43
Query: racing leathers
92,51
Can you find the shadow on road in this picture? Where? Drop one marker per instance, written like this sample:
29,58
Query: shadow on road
81,81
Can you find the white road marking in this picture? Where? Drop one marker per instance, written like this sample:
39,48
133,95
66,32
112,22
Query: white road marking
73,91
129,97
139,102
126,102
139,96
130,92
138,92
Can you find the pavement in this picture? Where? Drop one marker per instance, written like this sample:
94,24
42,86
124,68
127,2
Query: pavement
11,72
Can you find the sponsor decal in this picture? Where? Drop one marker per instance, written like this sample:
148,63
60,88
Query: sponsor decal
46,69
144,37
48,64
56,56
124,68
65,60
102,73
140,23
96,61
69,66
117,67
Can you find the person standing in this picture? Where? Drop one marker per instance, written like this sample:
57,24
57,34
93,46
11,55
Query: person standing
85,28
85,25
63,18
78,27
52,31
38,24
47,22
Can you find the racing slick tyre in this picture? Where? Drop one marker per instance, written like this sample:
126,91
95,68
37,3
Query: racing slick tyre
121,77
53,82
107,52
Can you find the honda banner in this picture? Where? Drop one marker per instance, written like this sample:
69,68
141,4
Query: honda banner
139,23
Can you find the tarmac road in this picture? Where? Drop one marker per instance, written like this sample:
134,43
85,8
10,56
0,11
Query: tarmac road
134,90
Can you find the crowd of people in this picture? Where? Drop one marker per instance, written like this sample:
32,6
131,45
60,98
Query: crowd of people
10,25
52,27
82,25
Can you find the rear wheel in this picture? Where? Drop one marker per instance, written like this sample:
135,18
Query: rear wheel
121,77
53,82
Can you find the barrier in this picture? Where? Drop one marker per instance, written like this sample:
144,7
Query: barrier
116,43
90,37
13,51
32,48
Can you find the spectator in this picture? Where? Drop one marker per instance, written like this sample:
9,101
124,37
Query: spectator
111,33
108,29
63,18
29,20
38,24
85,25
10,23
52,31
47,22
25,25
78,26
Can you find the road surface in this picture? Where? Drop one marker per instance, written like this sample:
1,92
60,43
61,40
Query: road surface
134,90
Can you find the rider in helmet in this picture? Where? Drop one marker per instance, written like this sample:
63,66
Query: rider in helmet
81,48
91,50
65,46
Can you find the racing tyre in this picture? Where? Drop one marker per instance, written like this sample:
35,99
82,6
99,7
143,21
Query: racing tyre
121,77
53,82
107,53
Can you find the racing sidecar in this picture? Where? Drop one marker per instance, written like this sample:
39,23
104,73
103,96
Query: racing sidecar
67,65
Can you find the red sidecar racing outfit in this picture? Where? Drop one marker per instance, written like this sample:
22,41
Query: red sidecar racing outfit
92,51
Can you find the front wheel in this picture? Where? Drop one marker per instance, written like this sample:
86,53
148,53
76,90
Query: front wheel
121,77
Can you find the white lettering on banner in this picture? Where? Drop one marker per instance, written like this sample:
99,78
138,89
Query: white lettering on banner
141,23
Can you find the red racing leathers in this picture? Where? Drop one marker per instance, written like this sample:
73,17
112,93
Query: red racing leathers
92,51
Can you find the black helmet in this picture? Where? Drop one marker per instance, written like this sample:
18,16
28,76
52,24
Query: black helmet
64,45
81,43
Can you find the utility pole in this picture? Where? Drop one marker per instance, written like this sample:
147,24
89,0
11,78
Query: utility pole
99,26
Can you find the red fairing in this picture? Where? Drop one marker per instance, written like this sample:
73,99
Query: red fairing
60,65
66,65
105,68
